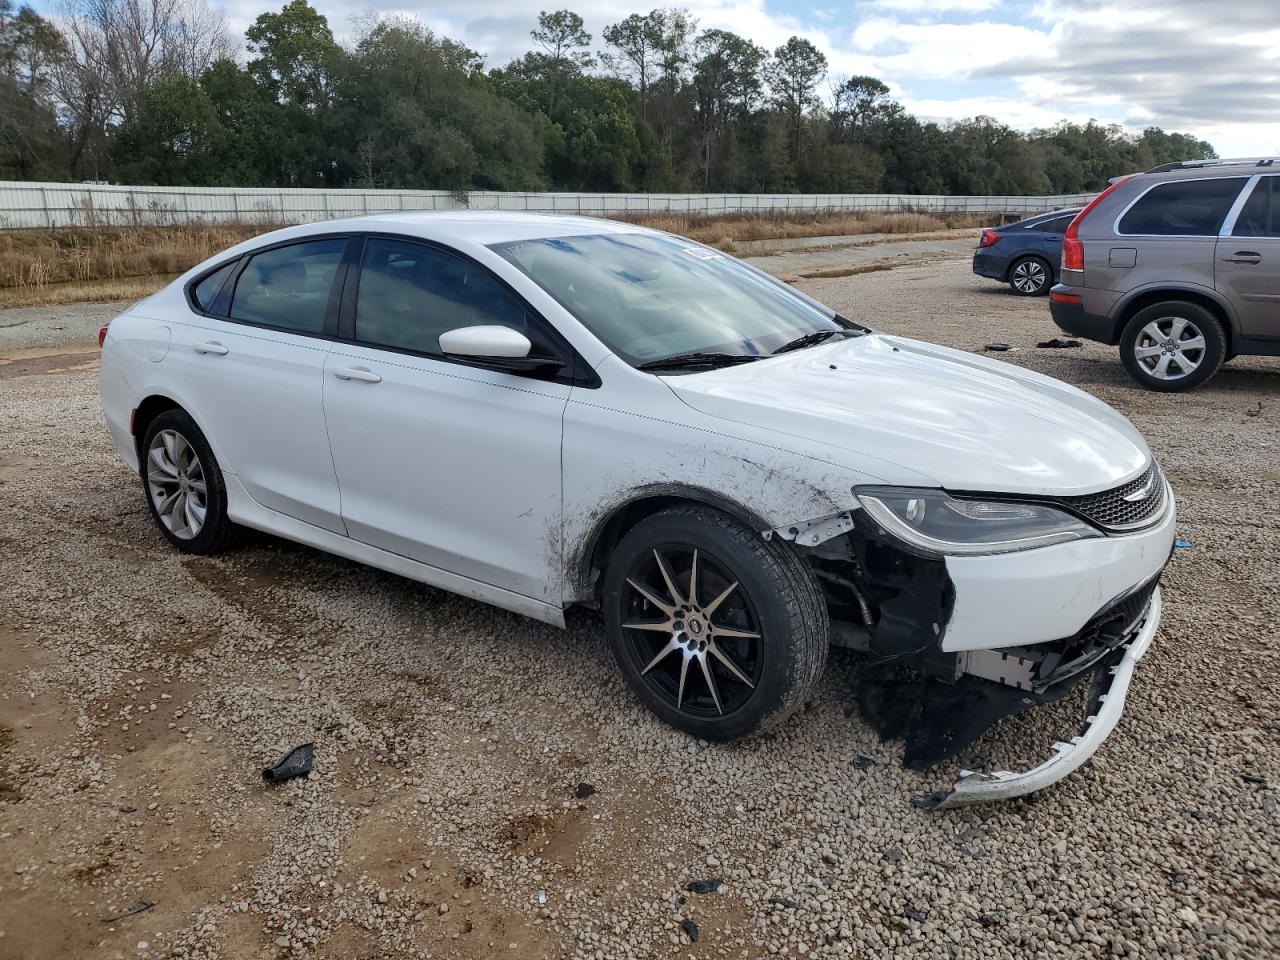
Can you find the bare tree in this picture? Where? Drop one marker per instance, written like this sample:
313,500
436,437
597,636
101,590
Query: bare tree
125,45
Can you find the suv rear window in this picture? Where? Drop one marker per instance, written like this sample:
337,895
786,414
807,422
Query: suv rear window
1260,215
1183,208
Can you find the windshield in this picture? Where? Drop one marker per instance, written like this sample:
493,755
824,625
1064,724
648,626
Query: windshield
649,297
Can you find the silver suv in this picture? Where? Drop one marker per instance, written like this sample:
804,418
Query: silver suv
1179,266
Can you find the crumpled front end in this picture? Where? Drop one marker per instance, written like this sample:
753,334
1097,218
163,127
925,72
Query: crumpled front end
958,643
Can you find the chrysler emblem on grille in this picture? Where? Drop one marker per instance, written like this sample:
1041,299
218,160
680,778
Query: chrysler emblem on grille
1142,492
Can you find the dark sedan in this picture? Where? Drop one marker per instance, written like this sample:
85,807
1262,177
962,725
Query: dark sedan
1025,254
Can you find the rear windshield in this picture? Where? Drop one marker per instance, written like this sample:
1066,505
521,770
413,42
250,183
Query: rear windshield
1183,208
650,296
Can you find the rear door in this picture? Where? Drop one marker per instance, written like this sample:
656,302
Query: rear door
253,366
1247,271
1169,233
444,461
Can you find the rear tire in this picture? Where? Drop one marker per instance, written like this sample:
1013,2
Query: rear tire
1030,277
1173,346
183,485
732,656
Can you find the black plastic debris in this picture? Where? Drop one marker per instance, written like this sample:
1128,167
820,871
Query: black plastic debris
1254,778
704,886
1256,412
690,930
142,906
911,913
583,790
863,763
296,763
988,919
1057,343
784,903
892,855
997,347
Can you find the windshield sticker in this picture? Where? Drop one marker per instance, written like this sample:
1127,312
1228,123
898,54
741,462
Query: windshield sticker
701,253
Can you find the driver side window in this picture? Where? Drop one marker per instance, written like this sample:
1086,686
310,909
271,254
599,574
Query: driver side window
409,294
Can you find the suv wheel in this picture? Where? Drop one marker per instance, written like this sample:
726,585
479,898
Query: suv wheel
719,632
184,486
1173,346
1030,277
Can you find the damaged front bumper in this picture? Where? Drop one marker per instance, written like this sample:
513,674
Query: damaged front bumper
1104,710
956,644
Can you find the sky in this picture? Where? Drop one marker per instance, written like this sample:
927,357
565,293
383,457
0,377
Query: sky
1206,67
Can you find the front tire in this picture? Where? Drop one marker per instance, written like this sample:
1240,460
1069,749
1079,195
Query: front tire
720,633
1173,346
184,486
1030,277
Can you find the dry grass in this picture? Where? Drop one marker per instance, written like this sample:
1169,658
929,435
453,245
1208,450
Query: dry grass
724,231
79,264
42,262
83,291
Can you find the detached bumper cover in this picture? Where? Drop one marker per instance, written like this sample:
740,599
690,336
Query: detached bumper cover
971,787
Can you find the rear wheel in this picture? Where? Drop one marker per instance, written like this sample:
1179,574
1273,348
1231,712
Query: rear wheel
184,486
1030,277
1173,346
719,632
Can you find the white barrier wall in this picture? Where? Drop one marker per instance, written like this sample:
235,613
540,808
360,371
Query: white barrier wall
24,204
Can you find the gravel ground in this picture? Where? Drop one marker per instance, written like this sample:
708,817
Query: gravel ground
484,785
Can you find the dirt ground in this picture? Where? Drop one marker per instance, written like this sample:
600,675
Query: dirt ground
486,787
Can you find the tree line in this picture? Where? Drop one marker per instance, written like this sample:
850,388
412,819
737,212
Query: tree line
156,92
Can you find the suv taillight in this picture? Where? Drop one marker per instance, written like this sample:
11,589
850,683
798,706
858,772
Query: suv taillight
989,238
1072,245
102,335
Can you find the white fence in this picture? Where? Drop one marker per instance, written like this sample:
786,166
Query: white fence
65,204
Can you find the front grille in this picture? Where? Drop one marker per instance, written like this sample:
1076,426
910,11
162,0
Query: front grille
1105,631
1111,511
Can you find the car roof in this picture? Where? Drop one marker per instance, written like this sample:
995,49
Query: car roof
476,226
1041,217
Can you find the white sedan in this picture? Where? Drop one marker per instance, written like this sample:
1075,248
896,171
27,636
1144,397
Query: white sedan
542,411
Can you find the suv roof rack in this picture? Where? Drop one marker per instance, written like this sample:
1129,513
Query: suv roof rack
1198,164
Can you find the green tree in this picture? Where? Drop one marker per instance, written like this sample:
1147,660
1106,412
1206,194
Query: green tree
794,73
727,81
168,139
295,53
563,41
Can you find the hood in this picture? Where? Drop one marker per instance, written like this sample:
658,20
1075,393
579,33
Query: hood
967,422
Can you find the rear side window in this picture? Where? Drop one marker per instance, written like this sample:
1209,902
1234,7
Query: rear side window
1260,215
1183,208
206,291
288,287
410,294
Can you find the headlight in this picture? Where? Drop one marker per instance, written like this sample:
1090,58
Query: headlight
933,522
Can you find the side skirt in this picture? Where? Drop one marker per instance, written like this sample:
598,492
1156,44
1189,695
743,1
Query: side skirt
243,509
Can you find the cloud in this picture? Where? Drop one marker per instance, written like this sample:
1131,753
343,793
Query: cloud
1206,68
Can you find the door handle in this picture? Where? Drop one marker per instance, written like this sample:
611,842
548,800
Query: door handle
1243,256
356,373
212,347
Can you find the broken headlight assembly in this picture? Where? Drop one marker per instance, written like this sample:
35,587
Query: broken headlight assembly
936,524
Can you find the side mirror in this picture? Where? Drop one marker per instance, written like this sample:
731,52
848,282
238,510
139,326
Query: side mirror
485,342
495,346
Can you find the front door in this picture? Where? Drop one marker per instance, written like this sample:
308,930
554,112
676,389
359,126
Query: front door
1247,268
448,463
